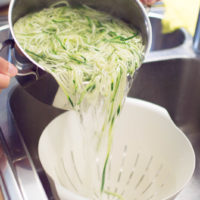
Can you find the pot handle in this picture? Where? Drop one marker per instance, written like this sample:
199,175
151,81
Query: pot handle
6,42
23,69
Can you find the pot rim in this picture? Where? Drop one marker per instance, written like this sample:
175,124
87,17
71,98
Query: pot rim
147,23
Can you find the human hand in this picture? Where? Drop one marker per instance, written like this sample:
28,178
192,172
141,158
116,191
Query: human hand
149,2
7,70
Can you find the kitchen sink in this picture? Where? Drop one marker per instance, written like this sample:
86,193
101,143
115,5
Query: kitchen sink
173,84
169,77
30,117
162,41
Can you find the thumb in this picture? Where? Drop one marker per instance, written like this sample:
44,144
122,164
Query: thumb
7,68
4,81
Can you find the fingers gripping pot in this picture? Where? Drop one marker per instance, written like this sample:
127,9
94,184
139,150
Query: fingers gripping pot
130,11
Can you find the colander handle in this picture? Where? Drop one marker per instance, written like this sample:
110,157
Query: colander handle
151,106
162,111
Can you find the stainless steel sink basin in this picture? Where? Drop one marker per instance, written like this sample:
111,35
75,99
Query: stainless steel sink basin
173,84
31,116
162,41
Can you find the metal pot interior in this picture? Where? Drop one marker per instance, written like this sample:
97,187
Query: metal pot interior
131,11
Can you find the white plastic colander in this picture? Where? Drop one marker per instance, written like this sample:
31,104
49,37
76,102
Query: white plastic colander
151,159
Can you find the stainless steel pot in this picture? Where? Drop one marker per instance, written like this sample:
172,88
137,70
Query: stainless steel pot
129,10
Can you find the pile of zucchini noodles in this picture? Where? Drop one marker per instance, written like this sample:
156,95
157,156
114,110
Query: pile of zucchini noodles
89,53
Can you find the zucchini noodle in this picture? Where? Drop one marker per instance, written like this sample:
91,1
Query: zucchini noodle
90,54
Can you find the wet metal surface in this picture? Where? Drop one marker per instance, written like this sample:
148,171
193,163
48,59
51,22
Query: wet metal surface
173,83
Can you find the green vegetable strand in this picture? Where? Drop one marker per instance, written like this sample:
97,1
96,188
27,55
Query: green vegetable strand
90,54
